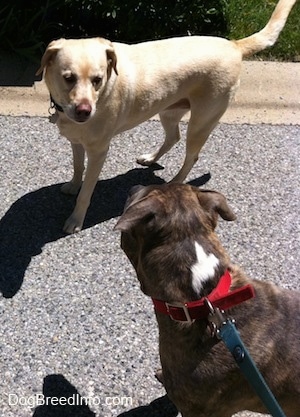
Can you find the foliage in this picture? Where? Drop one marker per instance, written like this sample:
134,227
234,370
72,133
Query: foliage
135,20
22,28
245,17
27,27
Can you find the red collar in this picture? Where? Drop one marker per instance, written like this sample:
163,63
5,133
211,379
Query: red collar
220,297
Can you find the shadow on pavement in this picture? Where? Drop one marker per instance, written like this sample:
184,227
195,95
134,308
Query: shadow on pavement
161,407
38,217
61,399
59,389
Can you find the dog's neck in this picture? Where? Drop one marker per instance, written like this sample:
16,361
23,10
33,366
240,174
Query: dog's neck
183,272
205,271
221,297
55,105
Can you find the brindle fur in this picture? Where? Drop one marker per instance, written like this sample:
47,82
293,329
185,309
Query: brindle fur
160,225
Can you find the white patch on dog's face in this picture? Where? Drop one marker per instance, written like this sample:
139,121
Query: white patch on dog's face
204,268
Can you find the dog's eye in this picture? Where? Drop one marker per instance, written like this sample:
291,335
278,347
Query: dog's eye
70,78
96,81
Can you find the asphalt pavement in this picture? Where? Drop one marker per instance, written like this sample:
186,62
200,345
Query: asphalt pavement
74,322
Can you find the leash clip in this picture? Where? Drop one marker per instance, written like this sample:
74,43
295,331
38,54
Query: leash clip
216,319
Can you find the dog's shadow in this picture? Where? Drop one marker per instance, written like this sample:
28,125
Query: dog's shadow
161,407
61,399
38,217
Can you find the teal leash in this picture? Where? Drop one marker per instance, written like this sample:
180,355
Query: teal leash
228,333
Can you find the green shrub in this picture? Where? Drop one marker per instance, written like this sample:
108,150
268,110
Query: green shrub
135,20
23,28
27,27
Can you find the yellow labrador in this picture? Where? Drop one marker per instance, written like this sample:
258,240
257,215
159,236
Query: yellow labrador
100,89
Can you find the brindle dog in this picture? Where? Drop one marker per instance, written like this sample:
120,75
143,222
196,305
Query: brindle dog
168,234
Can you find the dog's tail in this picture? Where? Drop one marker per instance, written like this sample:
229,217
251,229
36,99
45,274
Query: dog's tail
269,34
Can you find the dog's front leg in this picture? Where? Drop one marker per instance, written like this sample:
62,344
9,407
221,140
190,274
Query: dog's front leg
74,185
94,165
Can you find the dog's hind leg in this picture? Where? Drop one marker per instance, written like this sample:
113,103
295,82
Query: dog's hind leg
202,122
170,119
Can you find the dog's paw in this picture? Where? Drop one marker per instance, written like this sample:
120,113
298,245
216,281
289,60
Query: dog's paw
72,225
70,188
146,160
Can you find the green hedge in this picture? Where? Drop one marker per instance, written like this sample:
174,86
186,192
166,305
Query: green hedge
133,20
27,27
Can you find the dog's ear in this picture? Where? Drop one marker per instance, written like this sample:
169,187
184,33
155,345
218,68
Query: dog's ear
112,58
51,50
216,204
138,212
127,219
135,193
138,209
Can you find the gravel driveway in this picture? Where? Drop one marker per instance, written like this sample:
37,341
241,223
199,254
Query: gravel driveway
74,322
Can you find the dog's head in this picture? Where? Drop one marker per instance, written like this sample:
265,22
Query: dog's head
76,72
168,235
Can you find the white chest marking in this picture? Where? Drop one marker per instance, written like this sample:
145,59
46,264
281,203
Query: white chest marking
204,268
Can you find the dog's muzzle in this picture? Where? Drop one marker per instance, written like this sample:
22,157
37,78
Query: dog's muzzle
83,112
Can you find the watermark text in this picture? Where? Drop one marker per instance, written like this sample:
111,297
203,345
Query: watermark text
37,400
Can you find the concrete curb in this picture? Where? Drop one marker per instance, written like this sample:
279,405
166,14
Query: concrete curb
269,93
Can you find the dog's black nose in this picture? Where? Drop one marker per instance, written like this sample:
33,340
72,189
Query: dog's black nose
83,112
